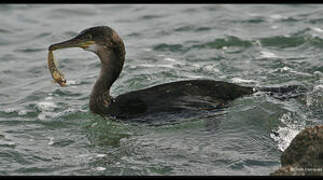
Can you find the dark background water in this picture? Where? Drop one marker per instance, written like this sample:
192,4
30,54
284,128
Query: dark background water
48,130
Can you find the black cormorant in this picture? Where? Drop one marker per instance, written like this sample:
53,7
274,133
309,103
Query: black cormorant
170,97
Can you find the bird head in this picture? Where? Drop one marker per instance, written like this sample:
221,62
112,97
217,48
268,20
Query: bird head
92,39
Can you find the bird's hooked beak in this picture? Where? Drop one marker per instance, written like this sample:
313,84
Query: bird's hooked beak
74,42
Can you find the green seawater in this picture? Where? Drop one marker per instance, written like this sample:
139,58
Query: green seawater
48,130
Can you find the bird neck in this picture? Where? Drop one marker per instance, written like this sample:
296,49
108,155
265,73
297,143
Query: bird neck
111,65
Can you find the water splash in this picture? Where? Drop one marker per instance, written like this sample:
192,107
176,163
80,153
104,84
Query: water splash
287,131
46,106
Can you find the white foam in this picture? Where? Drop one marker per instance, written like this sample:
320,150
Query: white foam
46,105
317,29
94,124
83,156
287,132
195,76
211,68
71,82
288,69
285,136
7,143
9,110
239,80
285,68
309,101
147,49
196,65
22,112
318,74
170,59
276,16
159,65
51,141
49,98
318,87
41,116
100,168
274,27
45,115
267,54
101,155
258,43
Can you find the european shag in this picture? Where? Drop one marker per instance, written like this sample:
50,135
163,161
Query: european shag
171,97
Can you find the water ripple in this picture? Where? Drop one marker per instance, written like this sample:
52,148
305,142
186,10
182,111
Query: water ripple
49,130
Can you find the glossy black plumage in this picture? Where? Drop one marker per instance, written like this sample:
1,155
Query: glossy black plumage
170,97
176,96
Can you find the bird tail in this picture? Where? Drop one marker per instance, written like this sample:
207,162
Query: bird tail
284,92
